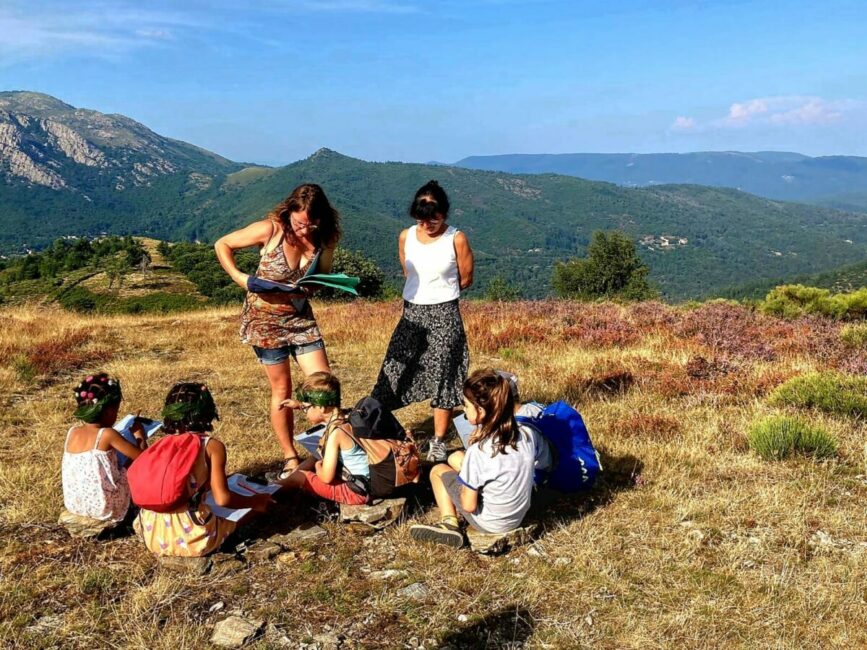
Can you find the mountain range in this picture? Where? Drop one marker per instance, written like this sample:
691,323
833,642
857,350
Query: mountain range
67,171
836,181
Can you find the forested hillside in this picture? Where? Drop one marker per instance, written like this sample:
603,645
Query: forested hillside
115,176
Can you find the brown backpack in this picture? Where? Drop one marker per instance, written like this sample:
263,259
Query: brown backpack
391,451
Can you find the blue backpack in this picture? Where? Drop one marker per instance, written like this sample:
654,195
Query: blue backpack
576,463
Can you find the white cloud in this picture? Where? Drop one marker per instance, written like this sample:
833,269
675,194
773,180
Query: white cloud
31,30
683,123
788,110
792,111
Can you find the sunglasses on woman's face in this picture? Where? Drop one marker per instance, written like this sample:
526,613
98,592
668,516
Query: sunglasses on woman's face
306,225
428,220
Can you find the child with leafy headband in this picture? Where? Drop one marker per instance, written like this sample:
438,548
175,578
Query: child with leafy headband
193,530
343,474
94,485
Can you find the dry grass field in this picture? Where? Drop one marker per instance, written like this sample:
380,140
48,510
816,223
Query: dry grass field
690,540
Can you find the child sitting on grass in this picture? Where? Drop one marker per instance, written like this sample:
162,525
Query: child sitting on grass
343,473
491,484
191,529
94,485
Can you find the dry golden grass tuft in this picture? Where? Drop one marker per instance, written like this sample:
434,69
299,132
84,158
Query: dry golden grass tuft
690,540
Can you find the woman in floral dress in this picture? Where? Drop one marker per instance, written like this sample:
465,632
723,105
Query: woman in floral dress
300,232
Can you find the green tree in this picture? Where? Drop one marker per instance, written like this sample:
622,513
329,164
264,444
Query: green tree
612,269
499,290
117,268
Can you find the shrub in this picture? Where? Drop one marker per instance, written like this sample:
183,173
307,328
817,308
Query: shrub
499,290
82,300
612,269
156,303
828,391
855,335
777,437
791,301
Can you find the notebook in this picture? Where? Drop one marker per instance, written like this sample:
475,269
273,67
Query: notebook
310,440
239,484
124,428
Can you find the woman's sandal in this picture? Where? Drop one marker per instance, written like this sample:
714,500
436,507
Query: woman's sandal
287,471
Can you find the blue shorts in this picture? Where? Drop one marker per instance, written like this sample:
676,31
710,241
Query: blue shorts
273,356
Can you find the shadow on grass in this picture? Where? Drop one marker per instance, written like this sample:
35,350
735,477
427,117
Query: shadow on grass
509,627
620,473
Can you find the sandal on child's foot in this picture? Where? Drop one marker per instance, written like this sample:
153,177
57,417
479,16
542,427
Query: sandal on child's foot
441,533
287,470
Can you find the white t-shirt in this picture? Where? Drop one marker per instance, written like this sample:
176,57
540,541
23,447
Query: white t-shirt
431,269
504,482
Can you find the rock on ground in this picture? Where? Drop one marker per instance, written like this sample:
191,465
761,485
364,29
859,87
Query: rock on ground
415,591
379,514
304,534
192,565
494,543
234,632
79,526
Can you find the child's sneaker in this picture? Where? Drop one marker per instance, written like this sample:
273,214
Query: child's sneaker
441,533
436,451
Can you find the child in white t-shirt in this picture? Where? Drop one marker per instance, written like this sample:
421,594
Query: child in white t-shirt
489,485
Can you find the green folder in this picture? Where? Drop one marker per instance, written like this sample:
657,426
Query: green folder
339,281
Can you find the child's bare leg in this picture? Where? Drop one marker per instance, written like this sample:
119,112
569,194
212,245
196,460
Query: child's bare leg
444,502
456,460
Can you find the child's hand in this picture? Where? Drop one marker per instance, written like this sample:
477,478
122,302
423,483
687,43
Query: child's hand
293,404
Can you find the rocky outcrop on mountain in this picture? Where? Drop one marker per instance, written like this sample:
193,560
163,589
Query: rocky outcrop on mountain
17,163
48,143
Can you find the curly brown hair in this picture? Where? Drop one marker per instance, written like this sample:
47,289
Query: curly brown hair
309,198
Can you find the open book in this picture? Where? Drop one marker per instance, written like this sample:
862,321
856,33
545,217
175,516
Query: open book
239,484
124,428
339,281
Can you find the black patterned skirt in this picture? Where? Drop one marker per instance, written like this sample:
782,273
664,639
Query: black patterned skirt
427,358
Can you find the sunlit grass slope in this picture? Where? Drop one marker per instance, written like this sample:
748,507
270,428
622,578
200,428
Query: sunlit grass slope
691,540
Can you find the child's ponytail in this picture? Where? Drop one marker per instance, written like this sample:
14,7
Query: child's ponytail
487,390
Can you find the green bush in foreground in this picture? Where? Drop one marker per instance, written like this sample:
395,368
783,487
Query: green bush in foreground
793,300
827,391
855,335
777,437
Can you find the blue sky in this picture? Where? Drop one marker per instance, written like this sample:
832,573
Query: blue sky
272,81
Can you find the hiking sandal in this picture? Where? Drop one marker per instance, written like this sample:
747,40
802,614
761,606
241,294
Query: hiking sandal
286,472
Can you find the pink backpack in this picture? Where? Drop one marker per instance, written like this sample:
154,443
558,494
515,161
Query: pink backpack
158,478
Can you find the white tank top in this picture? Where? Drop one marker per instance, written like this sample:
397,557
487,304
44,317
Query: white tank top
431,269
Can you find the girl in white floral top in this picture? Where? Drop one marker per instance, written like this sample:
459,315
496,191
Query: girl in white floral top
93,484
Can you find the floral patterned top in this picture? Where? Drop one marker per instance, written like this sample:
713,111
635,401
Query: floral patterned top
270,320
93,484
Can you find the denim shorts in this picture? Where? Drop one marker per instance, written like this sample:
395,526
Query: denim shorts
273,356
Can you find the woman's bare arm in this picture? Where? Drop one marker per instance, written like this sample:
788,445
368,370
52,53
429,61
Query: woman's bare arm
401,244
256,234
465,260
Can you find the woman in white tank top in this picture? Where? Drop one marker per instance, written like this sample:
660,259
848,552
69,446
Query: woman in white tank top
427,358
